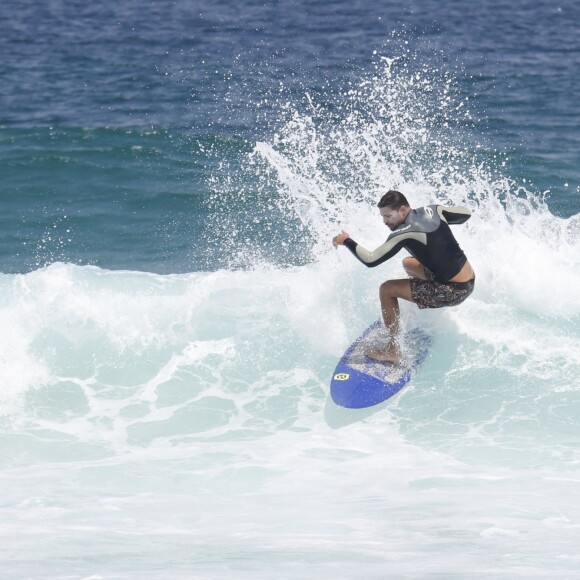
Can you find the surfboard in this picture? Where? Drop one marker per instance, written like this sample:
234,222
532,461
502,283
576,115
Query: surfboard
360,381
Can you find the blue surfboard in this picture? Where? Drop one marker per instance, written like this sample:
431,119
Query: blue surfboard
360,381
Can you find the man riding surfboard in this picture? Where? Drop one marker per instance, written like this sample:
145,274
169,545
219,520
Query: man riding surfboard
439,272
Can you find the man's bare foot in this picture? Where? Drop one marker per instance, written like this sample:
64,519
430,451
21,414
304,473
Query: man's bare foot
390,355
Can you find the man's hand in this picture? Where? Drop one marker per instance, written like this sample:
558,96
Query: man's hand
338,240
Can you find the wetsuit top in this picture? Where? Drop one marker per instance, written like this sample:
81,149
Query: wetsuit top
426,235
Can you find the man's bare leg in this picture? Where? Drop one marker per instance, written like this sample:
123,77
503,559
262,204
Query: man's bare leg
389,294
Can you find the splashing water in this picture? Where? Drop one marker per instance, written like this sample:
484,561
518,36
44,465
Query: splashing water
191,412
407,126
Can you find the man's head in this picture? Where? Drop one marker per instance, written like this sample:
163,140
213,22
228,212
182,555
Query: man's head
394,209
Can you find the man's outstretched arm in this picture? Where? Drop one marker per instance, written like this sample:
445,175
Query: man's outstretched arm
395,242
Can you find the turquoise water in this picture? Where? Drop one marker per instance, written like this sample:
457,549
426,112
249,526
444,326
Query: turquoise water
171,308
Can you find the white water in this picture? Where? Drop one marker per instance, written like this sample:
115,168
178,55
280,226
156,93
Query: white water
180,426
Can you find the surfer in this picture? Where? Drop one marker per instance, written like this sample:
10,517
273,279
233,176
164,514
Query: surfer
438,270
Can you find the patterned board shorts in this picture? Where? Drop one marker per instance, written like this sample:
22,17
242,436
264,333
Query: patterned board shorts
433,294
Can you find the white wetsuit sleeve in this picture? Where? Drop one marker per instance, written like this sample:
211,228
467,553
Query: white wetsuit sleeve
395,242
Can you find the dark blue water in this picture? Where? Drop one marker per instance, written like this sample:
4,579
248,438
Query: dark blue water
115,116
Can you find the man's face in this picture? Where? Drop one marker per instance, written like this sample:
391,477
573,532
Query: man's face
392,218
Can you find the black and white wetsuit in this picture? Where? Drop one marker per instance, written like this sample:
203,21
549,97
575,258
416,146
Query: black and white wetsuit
426,235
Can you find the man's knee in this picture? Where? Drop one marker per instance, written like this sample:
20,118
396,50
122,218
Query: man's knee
409,265
395,289
389,289
413,268
385,287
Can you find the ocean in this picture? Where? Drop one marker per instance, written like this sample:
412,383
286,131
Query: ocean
172,308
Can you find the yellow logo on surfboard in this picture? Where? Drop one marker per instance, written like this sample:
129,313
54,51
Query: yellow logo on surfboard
341,377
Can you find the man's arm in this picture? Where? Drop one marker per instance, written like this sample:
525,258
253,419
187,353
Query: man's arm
395,242
454,215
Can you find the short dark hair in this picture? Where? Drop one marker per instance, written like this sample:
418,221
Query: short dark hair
393,199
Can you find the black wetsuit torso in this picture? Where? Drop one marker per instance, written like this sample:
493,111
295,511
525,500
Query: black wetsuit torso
426,235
